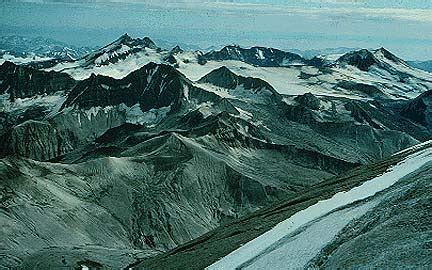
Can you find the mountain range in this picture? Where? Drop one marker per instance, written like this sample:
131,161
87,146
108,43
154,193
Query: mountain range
132,155
26,49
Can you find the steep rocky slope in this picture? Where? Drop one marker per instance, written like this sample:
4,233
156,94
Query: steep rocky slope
24,82
419,109
385,216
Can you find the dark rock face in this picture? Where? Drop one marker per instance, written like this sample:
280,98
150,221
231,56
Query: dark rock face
152,86
308,100
419,110
361,115
361,59
36,140
23,82
222,77
364,59
258,56
171,59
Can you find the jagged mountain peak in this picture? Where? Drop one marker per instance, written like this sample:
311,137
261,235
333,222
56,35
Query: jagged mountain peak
153,86
222,77
176,49
119,49
249,88
126,39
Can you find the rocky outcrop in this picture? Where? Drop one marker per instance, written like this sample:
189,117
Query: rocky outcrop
308,100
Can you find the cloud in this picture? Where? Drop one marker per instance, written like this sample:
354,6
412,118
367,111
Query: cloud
351,9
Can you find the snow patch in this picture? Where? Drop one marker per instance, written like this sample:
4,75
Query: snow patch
260,54
222,92
53,102
135,115
186,91
244,114
93,111
206,109
256,247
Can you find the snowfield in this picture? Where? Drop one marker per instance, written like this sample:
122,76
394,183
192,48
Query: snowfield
290,80
296,240
22,60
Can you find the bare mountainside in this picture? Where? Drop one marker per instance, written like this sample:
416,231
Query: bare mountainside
133,150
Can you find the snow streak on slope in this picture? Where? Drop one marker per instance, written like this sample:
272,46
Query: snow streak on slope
265,250
115,70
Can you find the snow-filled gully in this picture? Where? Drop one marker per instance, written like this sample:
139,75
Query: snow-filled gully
295,241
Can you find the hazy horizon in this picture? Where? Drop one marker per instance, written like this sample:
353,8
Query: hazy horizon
402,27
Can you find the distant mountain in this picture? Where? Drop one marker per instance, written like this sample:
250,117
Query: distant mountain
364,59
118,50
38,48
258,56
309,54
424,65
167,45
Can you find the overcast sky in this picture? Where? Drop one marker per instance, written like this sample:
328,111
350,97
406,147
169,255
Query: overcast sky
402,26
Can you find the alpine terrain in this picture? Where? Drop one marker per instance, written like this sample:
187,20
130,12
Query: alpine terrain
136,156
